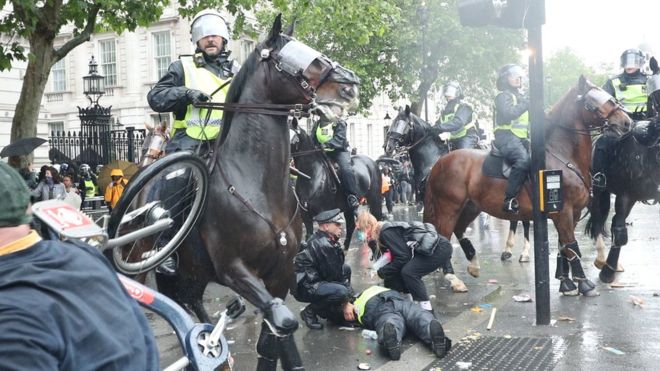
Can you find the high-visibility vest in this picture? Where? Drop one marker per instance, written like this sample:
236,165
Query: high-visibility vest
520,126
361,302
460,133
633,98
201,79
324,134
90,188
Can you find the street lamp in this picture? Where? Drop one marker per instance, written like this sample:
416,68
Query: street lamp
93,83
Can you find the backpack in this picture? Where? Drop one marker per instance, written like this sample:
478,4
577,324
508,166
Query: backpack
422,237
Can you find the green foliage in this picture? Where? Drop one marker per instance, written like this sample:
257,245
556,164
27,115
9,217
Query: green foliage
562,71
401,47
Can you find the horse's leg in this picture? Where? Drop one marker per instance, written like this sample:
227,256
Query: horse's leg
375,202
524,255
600,252
622,206
470,212
600,208
571,251
267,349
309,224
195,272
510,240
444,223
350,227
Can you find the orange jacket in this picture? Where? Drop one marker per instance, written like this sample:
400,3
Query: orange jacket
114,191
385,186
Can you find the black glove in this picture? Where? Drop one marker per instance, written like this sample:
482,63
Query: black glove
196,96
436,130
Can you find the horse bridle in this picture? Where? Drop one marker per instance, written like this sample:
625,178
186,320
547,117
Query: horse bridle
595,95
411,132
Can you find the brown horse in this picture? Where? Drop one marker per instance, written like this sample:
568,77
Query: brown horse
458,190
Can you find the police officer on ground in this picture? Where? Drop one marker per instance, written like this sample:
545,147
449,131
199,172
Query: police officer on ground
322,277
629,88
511,130
457,118
189,81
389,314
334,140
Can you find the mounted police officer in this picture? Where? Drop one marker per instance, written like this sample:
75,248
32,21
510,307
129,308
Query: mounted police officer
333,139
192,79
457,119
202,77
629,88
322,277
511,130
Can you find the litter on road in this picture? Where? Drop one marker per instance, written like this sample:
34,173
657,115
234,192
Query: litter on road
614,350
522,298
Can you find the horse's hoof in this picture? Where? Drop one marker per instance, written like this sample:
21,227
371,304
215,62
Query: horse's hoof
619,268
505,256
599,263
473,270
606,275
567,287
279,318
524,259
456,284
587,288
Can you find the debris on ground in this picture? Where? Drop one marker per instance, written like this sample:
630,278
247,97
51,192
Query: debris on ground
522,298
368,352
614,350
492,281
618,285
347,328
636,300
463,365
566,318
364,366
485,306
492,319
476,309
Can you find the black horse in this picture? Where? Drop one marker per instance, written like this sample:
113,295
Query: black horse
409,132
251,228
321,191
633,175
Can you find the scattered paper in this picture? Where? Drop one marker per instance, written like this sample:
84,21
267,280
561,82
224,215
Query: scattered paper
636,300
614,350
463,365
364,366
485,306
476,309
566,318
522,298
616,285
347,328
492,280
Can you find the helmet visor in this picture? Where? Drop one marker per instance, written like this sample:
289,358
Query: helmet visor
653,84
209,25
515,72
632,60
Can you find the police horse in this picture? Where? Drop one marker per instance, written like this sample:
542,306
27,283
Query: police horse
250,229
633,175
318,187
458,190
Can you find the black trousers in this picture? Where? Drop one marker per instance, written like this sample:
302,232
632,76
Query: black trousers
346,175
603,153
409,279
514,150
403,314
329,297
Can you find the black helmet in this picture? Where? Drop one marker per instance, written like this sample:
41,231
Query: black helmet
633,58
452,88
507,71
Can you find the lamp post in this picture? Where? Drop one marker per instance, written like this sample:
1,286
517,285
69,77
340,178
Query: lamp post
94,120
424,19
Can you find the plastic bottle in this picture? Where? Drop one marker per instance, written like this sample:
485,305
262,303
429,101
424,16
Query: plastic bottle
370,334
385,259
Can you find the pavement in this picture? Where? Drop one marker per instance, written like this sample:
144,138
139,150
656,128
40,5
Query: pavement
609,330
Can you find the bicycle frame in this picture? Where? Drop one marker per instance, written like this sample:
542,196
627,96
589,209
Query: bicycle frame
203,345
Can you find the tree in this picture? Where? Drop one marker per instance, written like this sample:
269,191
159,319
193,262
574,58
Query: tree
403,47
39,22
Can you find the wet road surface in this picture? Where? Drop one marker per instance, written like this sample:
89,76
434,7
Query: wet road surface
587,333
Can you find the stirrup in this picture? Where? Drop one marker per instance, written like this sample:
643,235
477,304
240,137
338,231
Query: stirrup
599,180
511,205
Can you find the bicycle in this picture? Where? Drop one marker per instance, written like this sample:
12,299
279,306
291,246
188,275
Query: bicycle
204,345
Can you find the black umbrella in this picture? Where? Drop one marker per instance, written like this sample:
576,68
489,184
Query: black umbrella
22,147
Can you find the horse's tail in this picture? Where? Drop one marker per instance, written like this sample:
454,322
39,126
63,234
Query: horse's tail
429,200
599,209
374,195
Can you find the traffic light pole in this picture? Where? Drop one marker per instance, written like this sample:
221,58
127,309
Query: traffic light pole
536,18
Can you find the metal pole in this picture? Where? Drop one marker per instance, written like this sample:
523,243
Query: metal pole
536,19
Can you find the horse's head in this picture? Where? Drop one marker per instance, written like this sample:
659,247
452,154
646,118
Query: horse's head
599,109
399,133
653,85
300,74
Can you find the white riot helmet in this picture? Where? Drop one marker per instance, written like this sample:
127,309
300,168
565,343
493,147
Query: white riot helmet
206,23
452,89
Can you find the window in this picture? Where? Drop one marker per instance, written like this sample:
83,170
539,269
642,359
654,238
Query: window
58,76
247,47
108,61
55,127
162,52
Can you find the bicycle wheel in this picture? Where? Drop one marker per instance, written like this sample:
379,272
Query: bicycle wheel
173,187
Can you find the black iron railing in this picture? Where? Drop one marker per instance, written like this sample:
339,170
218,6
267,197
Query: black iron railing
96,147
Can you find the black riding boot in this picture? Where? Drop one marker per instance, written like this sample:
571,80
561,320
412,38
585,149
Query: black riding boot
310,318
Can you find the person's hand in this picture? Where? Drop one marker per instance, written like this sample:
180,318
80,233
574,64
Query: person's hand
349,312
196,96
435,131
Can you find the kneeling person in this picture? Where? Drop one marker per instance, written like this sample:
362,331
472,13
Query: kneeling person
391,315
322,277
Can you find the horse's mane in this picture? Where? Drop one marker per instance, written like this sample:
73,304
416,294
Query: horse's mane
238,84
425,125
555,112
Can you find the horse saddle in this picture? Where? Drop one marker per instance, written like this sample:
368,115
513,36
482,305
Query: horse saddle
496,165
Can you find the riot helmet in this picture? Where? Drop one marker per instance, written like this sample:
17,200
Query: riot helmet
452,90
632,58
509,76
206,23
